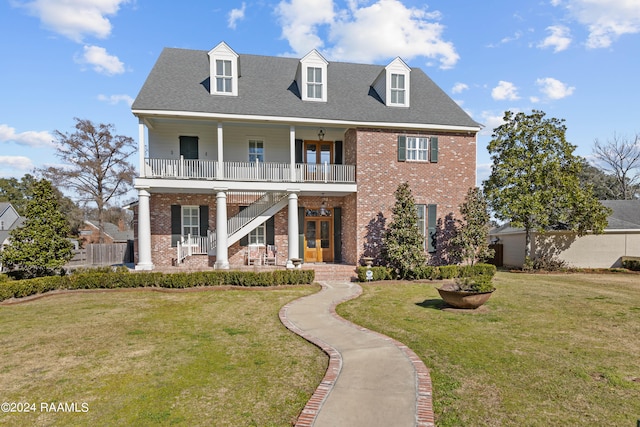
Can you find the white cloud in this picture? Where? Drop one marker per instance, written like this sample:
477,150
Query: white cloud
115,99
101,61
236,15
16,162
459,88
505,91
35,139
606,20
559,39
554,89
76,19
384,29
490,122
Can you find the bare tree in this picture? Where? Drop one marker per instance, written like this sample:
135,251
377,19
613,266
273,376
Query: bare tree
95,164
620,157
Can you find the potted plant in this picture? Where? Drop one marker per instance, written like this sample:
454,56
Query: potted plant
467,292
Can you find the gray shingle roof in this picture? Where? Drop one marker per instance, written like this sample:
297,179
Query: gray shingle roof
179,81
625,216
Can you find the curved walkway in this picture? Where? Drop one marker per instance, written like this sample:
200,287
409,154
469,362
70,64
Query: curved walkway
372,380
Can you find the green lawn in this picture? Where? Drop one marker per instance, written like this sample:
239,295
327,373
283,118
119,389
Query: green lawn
551,350
214,357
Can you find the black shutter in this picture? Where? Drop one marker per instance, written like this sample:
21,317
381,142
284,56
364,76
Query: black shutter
301,232
337,152
244,241
176,224
432,220
337,234
299,150
271,231
402,148
433,152
204,220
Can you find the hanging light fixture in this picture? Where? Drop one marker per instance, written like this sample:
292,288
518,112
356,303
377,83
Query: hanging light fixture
323,206
321,135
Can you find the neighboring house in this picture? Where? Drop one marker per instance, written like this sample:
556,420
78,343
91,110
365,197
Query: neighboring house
9,219
304,154
90,233
621,238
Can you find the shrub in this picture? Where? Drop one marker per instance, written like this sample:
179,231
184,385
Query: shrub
110,279
379,273
631,263
449,271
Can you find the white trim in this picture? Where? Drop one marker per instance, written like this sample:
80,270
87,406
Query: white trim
299,120
203,186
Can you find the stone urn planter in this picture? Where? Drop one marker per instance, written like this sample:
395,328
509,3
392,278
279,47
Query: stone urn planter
368,261
451,294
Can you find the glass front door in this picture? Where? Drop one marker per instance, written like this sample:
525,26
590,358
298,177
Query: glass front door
318,237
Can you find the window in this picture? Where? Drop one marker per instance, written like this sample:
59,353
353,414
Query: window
314,82
256,151
422,223
191,220
259,235
397,89
417,149
224,78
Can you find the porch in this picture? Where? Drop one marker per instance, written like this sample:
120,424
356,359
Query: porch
182,168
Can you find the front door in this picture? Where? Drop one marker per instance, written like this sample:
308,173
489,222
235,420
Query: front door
318,239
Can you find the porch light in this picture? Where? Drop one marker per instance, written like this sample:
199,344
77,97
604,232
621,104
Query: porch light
323,207
321,135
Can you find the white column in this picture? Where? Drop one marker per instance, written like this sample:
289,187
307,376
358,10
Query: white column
222,249
292,152
293,229
141,148
144,231
220,152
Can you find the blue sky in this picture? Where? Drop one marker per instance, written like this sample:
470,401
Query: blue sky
574,59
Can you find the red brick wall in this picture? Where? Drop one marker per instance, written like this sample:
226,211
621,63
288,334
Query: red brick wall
379,173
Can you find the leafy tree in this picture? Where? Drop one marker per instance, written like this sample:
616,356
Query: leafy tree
534,178
98,170
604,185
620,158
40,246
471,241
403,244
18,193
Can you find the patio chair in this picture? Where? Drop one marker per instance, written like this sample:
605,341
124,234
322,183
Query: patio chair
270,255
253,255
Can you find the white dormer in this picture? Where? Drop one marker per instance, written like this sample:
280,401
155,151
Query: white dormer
223,70
393,83
312,77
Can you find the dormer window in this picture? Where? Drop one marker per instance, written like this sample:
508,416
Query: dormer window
312,77
397,89
314,82
224,77
393,84
223,71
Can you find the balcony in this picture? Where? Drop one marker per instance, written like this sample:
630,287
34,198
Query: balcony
250,172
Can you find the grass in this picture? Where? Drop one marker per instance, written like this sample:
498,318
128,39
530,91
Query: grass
214,357
550,350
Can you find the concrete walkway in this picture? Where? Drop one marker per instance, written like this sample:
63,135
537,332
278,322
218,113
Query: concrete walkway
372,380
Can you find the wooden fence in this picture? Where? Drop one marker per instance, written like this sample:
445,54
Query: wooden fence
103,254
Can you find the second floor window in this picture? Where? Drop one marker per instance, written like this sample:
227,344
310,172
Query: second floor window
224,79
397,89
256,151
314,82
417,148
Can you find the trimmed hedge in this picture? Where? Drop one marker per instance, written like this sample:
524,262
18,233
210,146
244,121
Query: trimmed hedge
123,279
432,272
631,263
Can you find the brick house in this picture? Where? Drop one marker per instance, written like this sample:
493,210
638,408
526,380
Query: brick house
239,152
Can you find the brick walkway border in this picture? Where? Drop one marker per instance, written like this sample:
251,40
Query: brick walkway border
424,403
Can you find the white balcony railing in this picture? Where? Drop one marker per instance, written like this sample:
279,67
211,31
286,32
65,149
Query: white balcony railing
192,245
249,171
